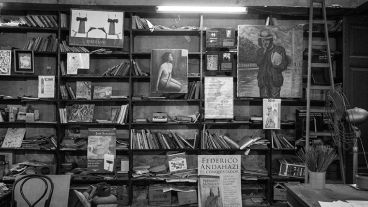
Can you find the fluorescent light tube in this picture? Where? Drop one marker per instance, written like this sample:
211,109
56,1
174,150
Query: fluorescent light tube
201,9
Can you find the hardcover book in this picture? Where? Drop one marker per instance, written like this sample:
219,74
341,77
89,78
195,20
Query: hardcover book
102,92
101,142
80,112
210,194
5,62
14,138
83,90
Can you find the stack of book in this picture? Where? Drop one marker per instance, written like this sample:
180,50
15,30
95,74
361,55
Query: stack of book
121,69
141,23
67,92
137,70
40,142
145,139
280,142
193,90
66,48
216,141
42,44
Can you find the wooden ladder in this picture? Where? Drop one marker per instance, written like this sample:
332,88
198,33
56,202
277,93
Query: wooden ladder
321,66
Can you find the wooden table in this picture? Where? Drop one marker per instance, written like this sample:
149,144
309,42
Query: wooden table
300,195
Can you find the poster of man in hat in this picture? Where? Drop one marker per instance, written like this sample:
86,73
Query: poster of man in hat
270,61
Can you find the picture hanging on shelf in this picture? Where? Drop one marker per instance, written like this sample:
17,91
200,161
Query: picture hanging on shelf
219,98
226,61
212,62
96,28
23,61
271,113
270,61
5,62
220,38
169,71
76,61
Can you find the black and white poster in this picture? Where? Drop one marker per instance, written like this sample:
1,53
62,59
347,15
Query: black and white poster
169,71
96,28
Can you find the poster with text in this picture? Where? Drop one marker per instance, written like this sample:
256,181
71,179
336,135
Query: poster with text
219,98
169,71
228,168
101,142
271,113
270,61
96,28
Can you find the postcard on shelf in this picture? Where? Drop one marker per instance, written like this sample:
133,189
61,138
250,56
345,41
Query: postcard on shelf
271,113
212,62
169,71
101,149
227,186
109,162
219,98
83,90
46,86
14,138
5,62
226,61
102,92
270,60
96,28
76,61
177,162
80,112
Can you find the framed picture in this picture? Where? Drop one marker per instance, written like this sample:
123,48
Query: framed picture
23,61
169,71
96,28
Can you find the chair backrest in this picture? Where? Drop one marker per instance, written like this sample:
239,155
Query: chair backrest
48,187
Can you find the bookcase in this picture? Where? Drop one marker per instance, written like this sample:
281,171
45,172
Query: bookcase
134,90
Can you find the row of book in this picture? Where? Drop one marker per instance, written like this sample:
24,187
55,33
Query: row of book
140,23
193,90
45,21
120,70
280,142
66,48
217,141
145,139
42,44
119,115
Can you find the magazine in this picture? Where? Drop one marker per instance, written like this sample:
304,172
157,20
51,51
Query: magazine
101,142
80,112
227,168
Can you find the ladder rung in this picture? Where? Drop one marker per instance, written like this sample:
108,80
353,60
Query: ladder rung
319,87
319,43
320,65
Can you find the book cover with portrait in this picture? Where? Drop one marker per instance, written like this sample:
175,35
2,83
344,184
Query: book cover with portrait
101,142
271,113
169,71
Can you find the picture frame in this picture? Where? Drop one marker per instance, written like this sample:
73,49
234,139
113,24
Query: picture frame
96,28
212,62
23,61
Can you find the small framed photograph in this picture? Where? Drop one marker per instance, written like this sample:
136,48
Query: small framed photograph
212,62
23,61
